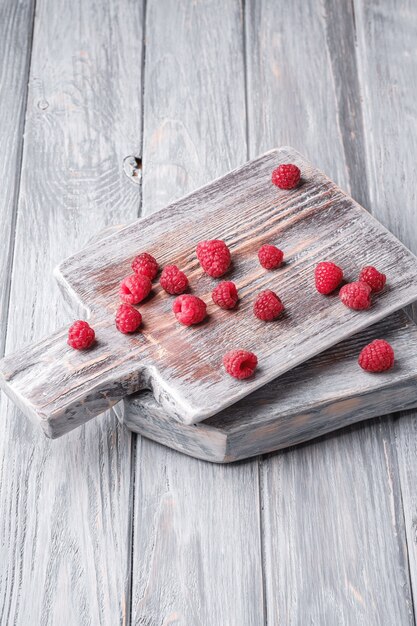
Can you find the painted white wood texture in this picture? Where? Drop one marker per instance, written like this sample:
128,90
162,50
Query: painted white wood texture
66,506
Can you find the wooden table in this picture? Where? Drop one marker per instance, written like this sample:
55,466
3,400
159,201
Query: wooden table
110,110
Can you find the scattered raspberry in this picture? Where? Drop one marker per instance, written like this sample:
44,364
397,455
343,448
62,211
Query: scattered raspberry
267,306
173,280
328,277
240,363
214,257
128,319
145,265
373,278
286,176
356,295
377,356
189,310
80,335
134,288
225,295
270,257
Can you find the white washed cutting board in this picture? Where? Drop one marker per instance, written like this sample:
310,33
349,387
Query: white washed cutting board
182,366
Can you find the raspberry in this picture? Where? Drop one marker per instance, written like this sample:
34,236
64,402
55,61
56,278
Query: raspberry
270,257
225,295
214,257
173,280
240,363
80,335
377,356
356,295
267,306
145,265
373,278
189,310
134,288
128,319
328,276
286,176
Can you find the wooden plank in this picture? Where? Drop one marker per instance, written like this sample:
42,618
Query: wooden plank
197,550
335,393
182,365
333,532
16,21
388,75
65,506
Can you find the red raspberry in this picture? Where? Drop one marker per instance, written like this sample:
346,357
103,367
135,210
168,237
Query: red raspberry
286,176
80,335
134,288
225,295
128,319
189,310
328,276
240,363
145,265
377,356
267,306
173,280
270,257
356,295
373,278
214,257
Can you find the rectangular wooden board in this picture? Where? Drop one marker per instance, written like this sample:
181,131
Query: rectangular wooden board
182,366
317,397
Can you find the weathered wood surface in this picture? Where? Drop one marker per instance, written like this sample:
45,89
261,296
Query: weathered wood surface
65,506
182,366
16,22
197,557
388,74
332,526
322,395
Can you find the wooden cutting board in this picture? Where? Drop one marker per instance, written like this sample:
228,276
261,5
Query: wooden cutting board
322,395
182,366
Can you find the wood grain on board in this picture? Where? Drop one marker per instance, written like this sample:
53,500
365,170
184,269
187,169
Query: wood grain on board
334,540
197,556
65,506
322,395
63,388
386,33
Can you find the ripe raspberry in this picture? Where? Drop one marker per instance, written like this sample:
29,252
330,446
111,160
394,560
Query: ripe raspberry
189,310
267,306
270,257
145,265
173,280
80,335
240,363
377,356
225,295
134,288
128,319
373,278
286,176
214,257
356,295
328,276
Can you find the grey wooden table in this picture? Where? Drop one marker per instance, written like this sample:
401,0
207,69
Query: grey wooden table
103,527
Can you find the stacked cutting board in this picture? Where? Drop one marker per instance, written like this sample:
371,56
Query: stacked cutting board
167,382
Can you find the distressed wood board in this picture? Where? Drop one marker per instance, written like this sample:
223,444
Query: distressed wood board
317,397
316,221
